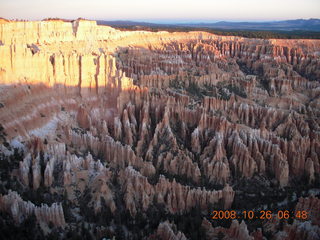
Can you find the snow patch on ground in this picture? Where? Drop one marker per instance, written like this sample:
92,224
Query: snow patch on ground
5,151
314,191
16,143
50,127
45,130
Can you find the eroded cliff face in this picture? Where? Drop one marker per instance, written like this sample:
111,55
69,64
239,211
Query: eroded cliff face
21,210
121,130
165,231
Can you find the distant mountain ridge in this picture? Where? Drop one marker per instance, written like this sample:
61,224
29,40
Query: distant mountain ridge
287,25
312,24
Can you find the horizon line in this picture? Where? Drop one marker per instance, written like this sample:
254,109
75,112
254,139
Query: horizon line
164,20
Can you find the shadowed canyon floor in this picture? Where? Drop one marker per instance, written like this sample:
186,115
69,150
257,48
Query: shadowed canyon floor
141,135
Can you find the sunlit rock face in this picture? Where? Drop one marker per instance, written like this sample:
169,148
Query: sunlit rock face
140,135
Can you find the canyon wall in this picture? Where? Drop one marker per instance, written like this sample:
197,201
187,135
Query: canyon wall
130,124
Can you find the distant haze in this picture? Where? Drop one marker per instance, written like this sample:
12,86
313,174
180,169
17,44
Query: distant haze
162,11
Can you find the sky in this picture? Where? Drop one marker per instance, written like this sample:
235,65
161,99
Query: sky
162,10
